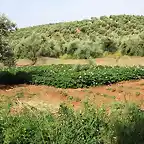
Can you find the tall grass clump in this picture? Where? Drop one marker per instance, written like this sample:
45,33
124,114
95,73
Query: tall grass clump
122,124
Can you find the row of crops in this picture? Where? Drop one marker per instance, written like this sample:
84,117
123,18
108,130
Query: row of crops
70,76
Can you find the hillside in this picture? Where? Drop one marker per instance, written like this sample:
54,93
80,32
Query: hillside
83,39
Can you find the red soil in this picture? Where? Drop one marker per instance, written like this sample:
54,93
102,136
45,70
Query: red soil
125,91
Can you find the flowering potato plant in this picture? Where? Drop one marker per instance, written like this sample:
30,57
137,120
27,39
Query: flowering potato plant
70,76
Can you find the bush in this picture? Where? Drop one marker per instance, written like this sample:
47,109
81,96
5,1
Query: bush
132,46
126,123
89,49
109,45
66,56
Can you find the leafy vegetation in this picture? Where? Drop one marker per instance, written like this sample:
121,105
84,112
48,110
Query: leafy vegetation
123,124
6,52
109,34
70,76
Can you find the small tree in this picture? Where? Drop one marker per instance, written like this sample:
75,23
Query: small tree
29,48
6,52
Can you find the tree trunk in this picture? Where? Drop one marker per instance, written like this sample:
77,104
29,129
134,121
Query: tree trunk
33,62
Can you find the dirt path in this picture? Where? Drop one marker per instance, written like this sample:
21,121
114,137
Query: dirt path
123,61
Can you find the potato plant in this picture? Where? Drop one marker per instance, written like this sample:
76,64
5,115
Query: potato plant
69,76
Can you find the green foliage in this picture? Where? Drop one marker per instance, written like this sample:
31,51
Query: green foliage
89,49
109,45
127,121
105,34
66,56
35,46
91,62
29,48
6,52
124,125
132,45
70,76
81,49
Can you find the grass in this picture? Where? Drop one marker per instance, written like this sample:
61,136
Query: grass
70,97
123,61
77,99
138,93
120,90
109,88
98,93
122,124
63,93
19,94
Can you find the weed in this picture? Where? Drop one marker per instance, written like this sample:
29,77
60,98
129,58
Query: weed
77,99
32,95
70,97
113,97
114,89
105,95
63,93
98,93
85,90
109,88
90,92
121,86
120,90
138,93
19,94
91,62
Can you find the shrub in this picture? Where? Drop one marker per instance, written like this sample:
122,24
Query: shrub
132,45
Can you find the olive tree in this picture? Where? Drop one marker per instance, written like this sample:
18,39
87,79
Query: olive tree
29,48
6,52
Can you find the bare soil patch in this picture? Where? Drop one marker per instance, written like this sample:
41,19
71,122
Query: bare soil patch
41,96
123,61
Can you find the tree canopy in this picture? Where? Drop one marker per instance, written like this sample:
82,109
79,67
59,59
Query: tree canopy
6,52
86,38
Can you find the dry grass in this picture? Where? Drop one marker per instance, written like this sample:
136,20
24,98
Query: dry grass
124,61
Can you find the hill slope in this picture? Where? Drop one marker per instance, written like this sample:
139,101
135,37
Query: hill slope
84,39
